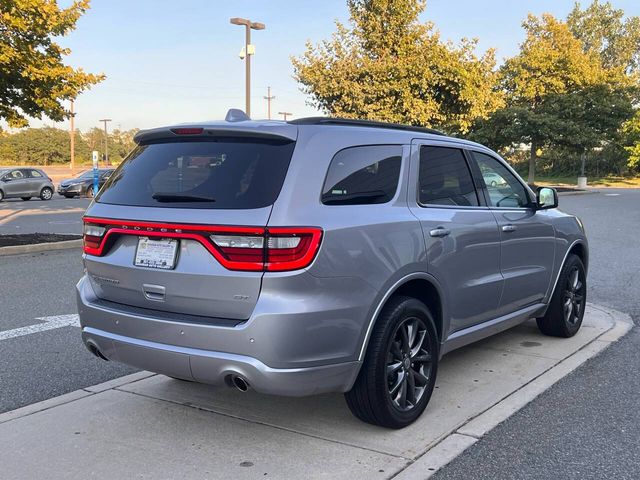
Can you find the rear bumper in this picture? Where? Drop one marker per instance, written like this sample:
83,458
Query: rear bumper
305,348
217,368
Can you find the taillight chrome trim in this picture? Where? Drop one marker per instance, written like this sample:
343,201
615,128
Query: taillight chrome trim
301,257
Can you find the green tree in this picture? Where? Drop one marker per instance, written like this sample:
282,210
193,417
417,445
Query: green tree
557,93
120,142
388,66
631,132
39,146
604,30
34,81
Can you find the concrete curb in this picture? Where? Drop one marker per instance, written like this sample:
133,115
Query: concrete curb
468,434
72,396
40,247
583,192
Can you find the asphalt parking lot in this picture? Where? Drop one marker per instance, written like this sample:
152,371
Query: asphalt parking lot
584,427
58,215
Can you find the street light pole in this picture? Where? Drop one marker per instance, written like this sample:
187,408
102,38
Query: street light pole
285,115
249,50
106,141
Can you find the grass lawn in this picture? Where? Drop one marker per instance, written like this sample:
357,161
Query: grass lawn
610,181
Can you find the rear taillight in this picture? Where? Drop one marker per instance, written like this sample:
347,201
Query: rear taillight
92,238
291,248
236,248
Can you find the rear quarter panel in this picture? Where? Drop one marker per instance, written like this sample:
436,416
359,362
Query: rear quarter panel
372,244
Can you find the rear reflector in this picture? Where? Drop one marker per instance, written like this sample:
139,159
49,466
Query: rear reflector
236,248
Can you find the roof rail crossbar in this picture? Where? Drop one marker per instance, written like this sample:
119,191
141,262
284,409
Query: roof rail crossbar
361,123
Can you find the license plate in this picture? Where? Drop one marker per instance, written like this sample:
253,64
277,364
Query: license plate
156,253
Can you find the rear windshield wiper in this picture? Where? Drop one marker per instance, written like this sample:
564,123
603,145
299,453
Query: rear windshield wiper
181,197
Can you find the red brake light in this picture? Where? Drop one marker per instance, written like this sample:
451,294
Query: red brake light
188,131
236,248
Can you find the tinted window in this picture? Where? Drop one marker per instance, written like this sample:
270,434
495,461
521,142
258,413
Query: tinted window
363,175
503,187
217,173
35,173
444,178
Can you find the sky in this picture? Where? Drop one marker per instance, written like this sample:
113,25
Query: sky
171,62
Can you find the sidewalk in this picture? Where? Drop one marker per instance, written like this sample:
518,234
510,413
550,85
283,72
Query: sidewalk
150,426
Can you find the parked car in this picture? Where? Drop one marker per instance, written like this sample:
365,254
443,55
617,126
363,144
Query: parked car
492,179
25,183
82,185
320,255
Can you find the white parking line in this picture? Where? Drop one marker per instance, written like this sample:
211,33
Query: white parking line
50,323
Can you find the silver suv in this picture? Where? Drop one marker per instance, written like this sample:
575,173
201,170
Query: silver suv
320,255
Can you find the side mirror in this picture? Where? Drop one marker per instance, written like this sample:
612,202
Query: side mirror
7,179
546,198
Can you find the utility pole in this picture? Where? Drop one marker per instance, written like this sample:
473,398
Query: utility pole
285,115
246,54
268,98
106,141
72,134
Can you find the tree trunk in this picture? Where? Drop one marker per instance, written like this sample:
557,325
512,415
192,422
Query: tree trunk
532,163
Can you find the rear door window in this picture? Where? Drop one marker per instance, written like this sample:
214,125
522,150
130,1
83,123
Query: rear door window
363,175
35,174
444,178
221,173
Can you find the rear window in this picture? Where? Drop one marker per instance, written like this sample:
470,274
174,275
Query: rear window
221,173
363,175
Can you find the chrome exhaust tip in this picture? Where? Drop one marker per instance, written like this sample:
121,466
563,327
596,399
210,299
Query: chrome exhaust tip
240,383
93,349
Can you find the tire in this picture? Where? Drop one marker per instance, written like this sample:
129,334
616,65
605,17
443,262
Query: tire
89,192
1,195
376,396
566,308
46,194
26,199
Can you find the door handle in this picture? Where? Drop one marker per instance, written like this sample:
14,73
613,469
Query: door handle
509,228
439,232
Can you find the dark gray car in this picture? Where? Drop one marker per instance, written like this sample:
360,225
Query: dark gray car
320,255
25,183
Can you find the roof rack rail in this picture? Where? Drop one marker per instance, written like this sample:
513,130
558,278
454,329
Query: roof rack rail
361,123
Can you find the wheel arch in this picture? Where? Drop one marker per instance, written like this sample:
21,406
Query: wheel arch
421,286
581,250
577,247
